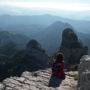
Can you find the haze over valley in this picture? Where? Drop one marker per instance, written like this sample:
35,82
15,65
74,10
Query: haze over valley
44,28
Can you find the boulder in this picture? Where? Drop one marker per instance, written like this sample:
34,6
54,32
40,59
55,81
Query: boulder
84,73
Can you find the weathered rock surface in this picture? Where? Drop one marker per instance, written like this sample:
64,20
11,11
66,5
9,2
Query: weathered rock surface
72,47
84,73
39,80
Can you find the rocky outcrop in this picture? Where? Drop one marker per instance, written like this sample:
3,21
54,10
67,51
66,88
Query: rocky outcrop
72,47
39,80
33,58
84,73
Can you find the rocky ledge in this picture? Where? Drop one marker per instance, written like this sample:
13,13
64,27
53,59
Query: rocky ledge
84,73
39,80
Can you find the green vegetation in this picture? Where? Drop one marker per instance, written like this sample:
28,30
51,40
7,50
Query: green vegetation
8,49
7,60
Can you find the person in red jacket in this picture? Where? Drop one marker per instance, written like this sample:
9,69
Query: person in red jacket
58,66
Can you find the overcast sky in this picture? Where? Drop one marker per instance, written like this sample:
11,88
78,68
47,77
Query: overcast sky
81,1
71,5
19,6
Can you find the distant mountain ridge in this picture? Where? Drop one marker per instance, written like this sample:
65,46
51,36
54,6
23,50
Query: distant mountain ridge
50,37
7,37
47,29
44,20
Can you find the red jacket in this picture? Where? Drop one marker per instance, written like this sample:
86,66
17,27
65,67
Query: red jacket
57,68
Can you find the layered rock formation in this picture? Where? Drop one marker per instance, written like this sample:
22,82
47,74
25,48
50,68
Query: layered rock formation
84,73
39,80
72,47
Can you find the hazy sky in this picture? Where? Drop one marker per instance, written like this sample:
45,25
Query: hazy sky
81,1
68,5
19,6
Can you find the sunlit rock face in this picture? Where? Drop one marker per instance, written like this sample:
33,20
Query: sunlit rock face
72,47
39,80
84,73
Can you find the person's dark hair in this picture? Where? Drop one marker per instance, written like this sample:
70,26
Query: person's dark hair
59,57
